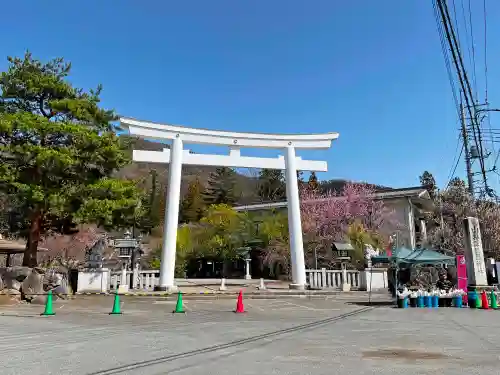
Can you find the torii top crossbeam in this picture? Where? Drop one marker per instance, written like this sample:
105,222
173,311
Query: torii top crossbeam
157,131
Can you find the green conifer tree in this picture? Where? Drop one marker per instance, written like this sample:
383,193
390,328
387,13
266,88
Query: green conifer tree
193,204
221,187
58,149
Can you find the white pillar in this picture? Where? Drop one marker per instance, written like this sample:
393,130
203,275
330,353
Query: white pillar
346,287
222,284
135,275
247,269
411,225
167,265
262,286
123,281
294,223
123,287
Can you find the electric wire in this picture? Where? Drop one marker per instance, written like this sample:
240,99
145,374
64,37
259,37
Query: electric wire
469,38
472,51
485,30
464,83
456,160
446,57
444,49
485,52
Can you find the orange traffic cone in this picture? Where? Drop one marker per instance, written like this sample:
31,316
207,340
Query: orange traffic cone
239,304
484,301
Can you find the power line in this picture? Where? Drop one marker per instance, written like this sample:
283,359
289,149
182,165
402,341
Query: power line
469,95
456,160
446,57
485,52
469,39
473,49
485,29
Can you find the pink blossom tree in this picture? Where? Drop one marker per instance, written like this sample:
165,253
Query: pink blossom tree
326,217
68,251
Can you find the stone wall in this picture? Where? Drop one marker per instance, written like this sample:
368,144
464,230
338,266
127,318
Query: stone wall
19,283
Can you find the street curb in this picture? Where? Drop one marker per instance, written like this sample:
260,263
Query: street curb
216,296
221,293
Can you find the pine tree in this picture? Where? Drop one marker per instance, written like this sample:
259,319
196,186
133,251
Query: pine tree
59,150
427,180
221,186
193,204
313,181
271,187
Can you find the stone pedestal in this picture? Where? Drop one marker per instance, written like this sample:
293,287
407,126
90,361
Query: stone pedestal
297,286
168,289
123,288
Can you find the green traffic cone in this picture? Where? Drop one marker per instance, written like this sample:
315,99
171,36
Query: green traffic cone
49,310
493,304
116,306
179,308
478,302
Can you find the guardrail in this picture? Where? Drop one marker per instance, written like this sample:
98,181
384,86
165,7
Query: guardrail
143,279
331,279
317,279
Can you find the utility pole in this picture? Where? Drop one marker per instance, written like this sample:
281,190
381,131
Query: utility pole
468,166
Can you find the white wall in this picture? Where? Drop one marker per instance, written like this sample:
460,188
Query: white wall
373,279
93,281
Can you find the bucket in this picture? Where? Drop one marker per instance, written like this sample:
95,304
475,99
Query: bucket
457,302
435,301
471,298
413,301
401,303
420,301
428,301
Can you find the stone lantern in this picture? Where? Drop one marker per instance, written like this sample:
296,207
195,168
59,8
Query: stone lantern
342,252
126,247
245,254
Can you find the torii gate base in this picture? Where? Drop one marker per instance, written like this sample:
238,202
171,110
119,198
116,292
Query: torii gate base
176,156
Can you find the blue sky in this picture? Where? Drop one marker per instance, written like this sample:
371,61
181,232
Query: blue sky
371,70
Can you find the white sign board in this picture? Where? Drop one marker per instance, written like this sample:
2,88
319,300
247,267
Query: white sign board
474,255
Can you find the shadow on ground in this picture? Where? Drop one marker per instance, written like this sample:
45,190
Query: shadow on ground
371,303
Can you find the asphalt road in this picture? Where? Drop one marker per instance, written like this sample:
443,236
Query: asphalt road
296,336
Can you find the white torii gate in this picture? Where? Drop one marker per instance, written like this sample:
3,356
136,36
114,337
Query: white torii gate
177,156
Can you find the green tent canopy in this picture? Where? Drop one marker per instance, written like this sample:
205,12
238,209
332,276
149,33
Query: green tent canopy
407,256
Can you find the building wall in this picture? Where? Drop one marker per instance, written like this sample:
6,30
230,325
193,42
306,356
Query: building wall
402,222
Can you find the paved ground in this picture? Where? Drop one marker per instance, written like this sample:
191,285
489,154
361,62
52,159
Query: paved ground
294,336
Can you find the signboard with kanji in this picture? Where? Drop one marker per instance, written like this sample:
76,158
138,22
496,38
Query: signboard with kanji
474,255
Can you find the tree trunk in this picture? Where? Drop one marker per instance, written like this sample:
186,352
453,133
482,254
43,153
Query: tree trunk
30,253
